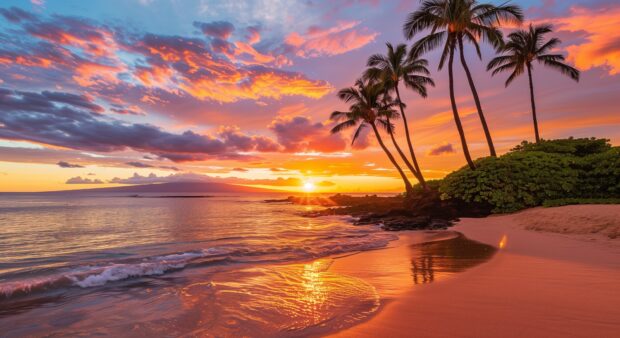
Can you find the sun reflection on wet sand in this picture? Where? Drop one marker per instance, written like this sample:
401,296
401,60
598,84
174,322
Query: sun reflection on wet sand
314,292
503,242
281,300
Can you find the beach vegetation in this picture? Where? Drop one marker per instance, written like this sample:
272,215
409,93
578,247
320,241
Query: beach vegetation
531,174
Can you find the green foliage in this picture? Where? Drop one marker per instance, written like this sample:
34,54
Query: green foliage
574,146
433,185
534,173
572,201
599,174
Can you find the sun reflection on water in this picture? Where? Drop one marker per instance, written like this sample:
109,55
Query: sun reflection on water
298,299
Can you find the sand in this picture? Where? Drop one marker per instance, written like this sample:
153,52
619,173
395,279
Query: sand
562,280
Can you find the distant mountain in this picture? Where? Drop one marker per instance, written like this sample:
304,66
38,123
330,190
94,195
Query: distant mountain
173,187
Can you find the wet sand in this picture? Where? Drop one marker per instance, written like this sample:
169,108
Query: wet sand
557,283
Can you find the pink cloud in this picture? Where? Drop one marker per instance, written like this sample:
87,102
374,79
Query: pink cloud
336,40
601,47
300,134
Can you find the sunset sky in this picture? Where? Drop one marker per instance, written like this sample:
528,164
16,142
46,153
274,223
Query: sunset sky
108,93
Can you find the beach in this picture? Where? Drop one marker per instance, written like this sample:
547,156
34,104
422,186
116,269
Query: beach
556,281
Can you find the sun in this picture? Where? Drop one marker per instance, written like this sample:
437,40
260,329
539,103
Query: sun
309,187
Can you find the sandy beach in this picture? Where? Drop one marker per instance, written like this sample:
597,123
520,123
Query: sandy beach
554,273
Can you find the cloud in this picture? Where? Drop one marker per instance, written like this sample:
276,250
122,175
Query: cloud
169,167
139,164
325,184
64,164
216,29
239,169
80,180
252,35
81,53
300,134
335,40
233,138
16,15
192,177
55,120
131,110
601,46
442,149
178,63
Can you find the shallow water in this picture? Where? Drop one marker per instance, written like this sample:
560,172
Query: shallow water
219,266
226,265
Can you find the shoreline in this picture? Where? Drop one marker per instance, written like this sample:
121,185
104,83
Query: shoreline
548,283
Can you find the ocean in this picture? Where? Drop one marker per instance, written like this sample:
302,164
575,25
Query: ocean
222,265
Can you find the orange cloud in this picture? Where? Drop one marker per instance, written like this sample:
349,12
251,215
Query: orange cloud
602,47
89,73
205,75
331,41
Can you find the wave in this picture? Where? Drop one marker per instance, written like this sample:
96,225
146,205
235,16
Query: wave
88,276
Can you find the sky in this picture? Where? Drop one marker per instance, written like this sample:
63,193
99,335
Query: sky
117,92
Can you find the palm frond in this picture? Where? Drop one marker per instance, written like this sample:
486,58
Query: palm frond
563,68
343,125
358,132
499,61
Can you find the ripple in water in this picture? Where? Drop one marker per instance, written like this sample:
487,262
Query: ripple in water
277,301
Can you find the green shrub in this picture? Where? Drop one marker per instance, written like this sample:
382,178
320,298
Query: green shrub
575,146
599,174
534,173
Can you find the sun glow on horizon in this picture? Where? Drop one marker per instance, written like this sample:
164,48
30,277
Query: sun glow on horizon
309,187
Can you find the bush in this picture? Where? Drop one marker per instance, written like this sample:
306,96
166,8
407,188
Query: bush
575,146
599,174
534,173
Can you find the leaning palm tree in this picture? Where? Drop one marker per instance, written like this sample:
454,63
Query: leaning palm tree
366,109
524,47
451,22
390,114
391,69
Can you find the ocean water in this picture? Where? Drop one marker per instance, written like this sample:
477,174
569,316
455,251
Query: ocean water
218,266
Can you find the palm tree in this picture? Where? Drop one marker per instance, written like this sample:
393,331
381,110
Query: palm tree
391,69
455,21
389,114
522,48
366,110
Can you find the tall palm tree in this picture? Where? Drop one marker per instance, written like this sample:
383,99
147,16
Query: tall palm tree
366,109
451,22
524,47
391,69
390,114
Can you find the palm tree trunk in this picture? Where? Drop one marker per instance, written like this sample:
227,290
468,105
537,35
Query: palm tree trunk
415,173
529,75
455,111
413,157
408,186
474,92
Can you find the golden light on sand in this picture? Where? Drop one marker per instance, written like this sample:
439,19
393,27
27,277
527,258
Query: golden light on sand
502,242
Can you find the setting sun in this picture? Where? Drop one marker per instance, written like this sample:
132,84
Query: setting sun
309,187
